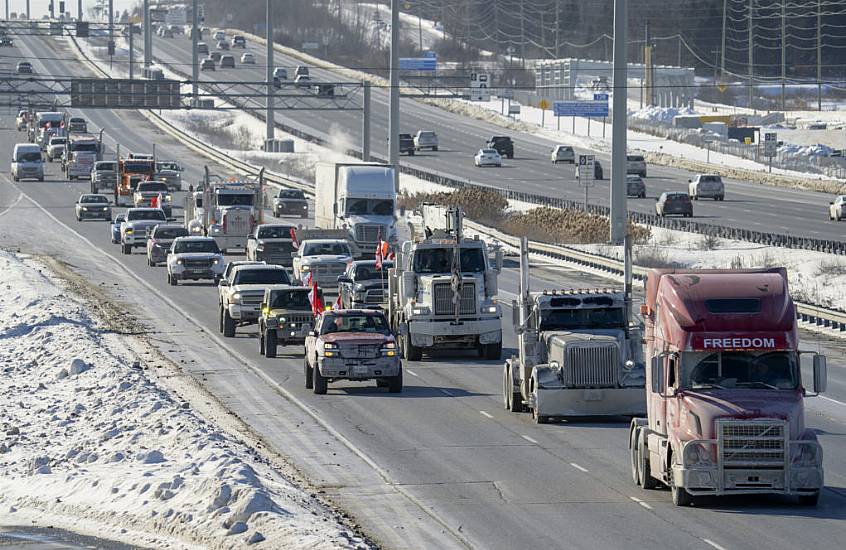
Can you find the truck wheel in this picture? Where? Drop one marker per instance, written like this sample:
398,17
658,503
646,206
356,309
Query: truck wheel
172,280
261,341
644,472
539,418
395,383
493,351
634,457
680,496
127,249
309,378
809,500
270,343
435,148
220,320
319,381
228,324
409,350
513,399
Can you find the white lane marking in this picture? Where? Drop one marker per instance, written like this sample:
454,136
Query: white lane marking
446,392
832,400
509,295
709,542
487,414
529,439
580,468
645,505
411,372
14,204
312,412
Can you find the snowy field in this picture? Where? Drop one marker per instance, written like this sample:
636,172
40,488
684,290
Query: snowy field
92,442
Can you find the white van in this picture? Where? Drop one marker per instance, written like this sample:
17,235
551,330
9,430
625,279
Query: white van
27,162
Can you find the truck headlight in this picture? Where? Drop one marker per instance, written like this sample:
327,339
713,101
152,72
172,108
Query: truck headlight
420,311
216,261
695,454
305,268
489,309
178,262
329,349
389,349
129,231
85,209
235,298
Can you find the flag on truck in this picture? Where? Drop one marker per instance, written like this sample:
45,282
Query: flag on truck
314,299
338,304
295,242
383,252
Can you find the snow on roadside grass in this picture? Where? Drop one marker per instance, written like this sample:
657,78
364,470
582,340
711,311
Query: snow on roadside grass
90,443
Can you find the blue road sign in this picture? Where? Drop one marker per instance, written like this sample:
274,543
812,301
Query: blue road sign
418,64
600,96
581,108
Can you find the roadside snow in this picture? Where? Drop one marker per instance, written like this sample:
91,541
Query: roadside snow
91,444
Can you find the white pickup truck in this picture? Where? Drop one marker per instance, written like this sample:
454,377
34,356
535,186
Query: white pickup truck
240,294
325,259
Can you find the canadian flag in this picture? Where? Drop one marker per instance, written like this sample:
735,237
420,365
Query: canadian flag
307,279
338,304
383,252
296,243
154,202
314,298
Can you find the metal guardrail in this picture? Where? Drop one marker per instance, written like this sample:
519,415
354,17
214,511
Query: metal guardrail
829,318
816,315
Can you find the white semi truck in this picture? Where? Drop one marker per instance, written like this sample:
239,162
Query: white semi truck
443,290
358,197
579,356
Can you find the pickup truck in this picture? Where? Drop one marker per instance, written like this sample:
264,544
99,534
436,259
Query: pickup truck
55,148
364,286
286,318
272,243
160,241
240,295
149,190
406,144
194,258
290,202
138,224
426,139
352,344
325,259
104,176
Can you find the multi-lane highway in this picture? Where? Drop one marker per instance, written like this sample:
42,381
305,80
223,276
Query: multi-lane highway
447,452
747,205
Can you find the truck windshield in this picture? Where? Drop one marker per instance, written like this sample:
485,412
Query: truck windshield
170,232
439,260
776,370
235,199
87,147
137,167
586,318
152,214
370,273
326,249
296,299
29,157
261,277
381,207
205,245
105,166
355,323
275,232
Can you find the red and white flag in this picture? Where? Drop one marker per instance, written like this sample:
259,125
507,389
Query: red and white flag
338,304
314,299
307,279
296,243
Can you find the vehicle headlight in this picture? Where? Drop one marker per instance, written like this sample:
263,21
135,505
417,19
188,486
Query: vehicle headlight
129,231
806,455
305,207
420,310
329,349
216,261
389,349
178,262
105,208
235,298
695,454
330,345
489,309
85,209
305,268
168,198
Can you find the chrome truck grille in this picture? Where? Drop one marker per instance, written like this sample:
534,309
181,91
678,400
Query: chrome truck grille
197,264
237,222
374,296
360,351
443,299
370,232
591,365
752,444
251,299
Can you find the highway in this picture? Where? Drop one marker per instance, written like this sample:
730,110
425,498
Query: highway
446,446
749,206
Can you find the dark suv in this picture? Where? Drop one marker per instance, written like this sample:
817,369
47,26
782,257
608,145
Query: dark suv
503,145
406,144
674,203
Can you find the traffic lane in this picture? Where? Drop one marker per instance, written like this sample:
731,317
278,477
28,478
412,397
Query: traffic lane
450,417
745,207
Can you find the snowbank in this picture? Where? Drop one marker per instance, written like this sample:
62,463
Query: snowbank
90,443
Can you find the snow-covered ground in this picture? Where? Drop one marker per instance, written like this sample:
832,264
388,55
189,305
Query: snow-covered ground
91,442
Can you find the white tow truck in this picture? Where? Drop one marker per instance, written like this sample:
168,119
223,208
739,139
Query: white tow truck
579,356
443,290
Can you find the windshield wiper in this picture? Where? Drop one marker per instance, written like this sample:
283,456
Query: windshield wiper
707,386
764,384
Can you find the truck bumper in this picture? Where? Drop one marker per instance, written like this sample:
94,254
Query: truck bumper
291,335
244,314
589,402
427,334
359,369
277,259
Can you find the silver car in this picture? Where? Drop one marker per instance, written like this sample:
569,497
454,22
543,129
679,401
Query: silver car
635,187
94,206
563,153
426,139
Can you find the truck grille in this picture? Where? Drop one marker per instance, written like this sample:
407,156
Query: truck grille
283,249
374,296
360,351
751,443
197,264
370,232
252,299
328,273
591,365
237,222
443,299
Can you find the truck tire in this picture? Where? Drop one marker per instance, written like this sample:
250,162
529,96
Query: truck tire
493,351
680,495
395,383
309,378
409,350
220,319
513,399
126,249
228,324
539,418
809,500
172,280
261,341
634,456
270,343
644,472
319,382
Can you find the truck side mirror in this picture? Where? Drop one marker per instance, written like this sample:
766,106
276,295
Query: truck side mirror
344,279
657,374
820,373
515,315
312,333
224,282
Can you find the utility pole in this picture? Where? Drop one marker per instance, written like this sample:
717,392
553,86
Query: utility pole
723,43
558,29
148,36
195,61
522,35
131,51
619,124
270,129
420,25
750,61
78,13
819,55
365,124
393,120
27,10
783,52
111,21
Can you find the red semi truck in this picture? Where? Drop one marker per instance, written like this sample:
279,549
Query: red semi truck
724,389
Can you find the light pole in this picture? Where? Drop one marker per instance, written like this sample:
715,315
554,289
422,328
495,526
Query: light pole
393,121
148,37
619,125
270,129
195,61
